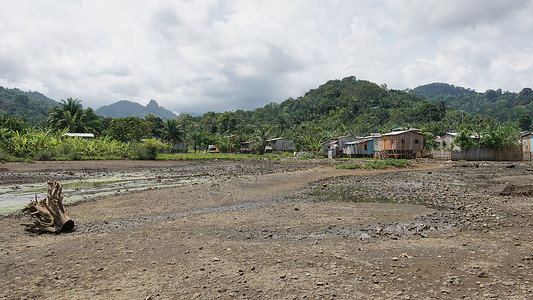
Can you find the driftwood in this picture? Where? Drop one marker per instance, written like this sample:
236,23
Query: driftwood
48,214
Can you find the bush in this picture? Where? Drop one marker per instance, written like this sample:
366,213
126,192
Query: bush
389,163
146,150
349,166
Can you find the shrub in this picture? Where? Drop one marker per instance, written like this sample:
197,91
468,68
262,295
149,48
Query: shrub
349,166
146,150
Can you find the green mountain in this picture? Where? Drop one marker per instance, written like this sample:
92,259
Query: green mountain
32,105
126,108
503,106
347,106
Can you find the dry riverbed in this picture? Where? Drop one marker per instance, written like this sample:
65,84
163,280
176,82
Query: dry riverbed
291,229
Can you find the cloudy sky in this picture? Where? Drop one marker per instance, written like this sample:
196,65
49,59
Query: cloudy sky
208,55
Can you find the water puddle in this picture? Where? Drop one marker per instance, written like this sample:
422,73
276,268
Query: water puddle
15,197
360,194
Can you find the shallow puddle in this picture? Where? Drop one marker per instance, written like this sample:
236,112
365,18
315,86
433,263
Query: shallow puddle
359,194
15,197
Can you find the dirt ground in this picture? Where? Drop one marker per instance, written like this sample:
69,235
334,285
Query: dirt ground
281,230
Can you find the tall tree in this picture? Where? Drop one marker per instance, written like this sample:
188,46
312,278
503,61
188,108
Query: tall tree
195,137
173,132
70,115
524,122
129,129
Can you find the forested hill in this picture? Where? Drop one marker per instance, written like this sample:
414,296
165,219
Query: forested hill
503,106
350,106
33,105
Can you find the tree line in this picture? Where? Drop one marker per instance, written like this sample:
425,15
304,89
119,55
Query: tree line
339,107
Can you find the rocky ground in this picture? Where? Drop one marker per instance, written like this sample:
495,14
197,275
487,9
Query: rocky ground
289,230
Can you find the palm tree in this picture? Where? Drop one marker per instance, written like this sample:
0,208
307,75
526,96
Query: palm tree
195,137
71,116
173,132
260,138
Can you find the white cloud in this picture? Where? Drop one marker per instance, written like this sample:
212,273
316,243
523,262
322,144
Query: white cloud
218,55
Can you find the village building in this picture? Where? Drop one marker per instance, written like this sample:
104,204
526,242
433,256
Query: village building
280,144
363,147
401,144
335,146
246,147
527,142
446,141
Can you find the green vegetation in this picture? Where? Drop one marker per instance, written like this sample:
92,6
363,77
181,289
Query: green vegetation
349,107
349,166
71,116
502,106
377,164
47,145
32,106
147,149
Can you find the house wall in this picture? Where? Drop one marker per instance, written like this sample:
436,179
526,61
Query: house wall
283,145
403,141
345,140
377,144
349,149
369,148
526,143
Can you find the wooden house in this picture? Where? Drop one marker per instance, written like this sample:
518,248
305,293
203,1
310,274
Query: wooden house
349,149
280,144
365,147
527,142
335,145
402,144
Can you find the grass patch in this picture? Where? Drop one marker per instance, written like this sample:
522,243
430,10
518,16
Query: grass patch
351,158
377,164
349,166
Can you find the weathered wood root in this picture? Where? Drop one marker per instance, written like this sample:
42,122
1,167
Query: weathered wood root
48,214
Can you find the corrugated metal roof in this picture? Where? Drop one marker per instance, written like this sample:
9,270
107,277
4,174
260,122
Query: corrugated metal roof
278,139
400,132
364,140
83,135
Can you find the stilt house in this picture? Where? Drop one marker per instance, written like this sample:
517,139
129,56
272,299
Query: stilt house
402,144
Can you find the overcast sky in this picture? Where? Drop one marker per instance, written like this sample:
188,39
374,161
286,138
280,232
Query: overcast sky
198,56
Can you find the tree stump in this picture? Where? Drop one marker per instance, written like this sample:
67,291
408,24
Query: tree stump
48,214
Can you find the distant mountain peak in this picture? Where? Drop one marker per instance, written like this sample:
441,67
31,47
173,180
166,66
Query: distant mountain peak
125,108
152,104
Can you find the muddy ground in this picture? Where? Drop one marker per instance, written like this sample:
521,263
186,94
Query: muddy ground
281,230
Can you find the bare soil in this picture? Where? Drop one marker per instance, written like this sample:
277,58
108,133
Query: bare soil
280,230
